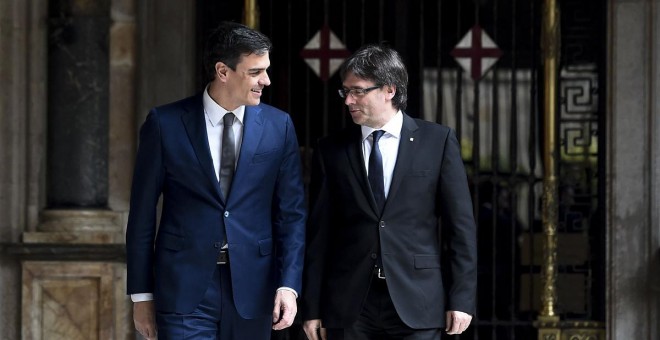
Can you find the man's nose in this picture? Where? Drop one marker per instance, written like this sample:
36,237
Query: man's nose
265,80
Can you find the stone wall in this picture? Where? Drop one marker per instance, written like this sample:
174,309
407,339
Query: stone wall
633,177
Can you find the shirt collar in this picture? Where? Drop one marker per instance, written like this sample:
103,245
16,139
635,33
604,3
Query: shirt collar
393,127
215,112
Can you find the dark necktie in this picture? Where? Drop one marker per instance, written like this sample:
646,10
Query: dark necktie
228,158
376,170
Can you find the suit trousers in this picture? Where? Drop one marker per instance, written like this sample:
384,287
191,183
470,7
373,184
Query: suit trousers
379,320
215,317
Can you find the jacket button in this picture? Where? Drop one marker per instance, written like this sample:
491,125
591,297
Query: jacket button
382,224
226,213
217,244
374,256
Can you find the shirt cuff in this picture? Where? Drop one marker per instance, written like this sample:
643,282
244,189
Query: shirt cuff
144,297
289,289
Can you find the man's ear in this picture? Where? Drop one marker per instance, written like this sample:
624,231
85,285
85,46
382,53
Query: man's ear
221,70
390,91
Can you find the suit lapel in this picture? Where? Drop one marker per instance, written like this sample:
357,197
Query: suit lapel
407,146
195,124
354,153
253,128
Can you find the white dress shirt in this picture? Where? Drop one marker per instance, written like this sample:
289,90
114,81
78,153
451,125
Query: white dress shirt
215,126
388,144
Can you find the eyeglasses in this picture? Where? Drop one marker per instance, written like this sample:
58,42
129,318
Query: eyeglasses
356,93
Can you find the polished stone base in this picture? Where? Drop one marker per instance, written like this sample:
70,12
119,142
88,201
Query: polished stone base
74,300
78,227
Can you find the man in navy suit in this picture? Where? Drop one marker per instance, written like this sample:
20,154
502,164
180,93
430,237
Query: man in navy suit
226,259
376,265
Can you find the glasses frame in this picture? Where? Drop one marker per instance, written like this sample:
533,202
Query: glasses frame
356,93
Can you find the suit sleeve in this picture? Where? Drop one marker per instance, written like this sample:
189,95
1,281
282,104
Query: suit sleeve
145,191
290,213
459,229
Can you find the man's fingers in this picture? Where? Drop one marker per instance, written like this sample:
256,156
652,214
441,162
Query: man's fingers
284,321
144,319
457,322
276,310
312,328
285,310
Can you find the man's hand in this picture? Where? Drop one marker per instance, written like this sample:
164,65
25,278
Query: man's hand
457,322
144,319
314,328
285,309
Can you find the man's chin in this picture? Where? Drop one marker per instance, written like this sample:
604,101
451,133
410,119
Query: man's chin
359,120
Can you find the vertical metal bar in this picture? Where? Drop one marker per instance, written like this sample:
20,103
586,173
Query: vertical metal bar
513,151
289,61
476,133
326,124
363,29
459,79
381,20
533,139
438,52
344,116
495,178
513,160
420,55
307,108
251,14
534,96
548,319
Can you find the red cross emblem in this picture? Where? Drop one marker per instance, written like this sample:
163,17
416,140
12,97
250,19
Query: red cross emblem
324,53
476,52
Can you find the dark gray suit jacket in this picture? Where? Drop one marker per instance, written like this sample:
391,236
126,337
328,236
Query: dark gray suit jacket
429,185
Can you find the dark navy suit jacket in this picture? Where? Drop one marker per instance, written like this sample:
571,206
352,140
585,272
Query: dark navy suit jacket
263,216
429,185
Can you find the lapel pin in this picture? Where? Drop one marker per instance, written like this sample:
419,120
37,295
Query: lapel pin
412,139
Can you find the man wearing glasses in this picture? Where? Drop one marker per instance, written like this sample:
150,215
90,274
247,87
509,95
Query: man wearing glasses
378,264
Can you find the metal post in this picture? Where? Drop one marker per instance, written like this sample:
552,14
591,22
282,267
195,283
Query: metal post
251,14
548,320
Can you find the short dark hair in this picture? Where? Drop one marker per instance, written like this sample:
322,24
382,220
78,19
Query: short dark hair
229,42
382,65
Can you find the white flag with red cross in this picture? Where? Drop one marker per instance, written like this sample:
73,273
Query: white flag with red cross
324,53
476,52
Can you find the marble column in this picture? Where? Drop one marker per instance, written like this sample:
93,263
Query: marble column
67,114
78,72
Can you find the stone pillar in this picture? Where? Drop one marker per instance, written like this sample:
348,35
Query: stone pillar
633,177
78,64
14,166
72,102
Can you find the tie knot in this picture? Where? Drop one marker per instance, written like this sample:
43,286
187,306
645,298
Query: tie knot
228,119
377,134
